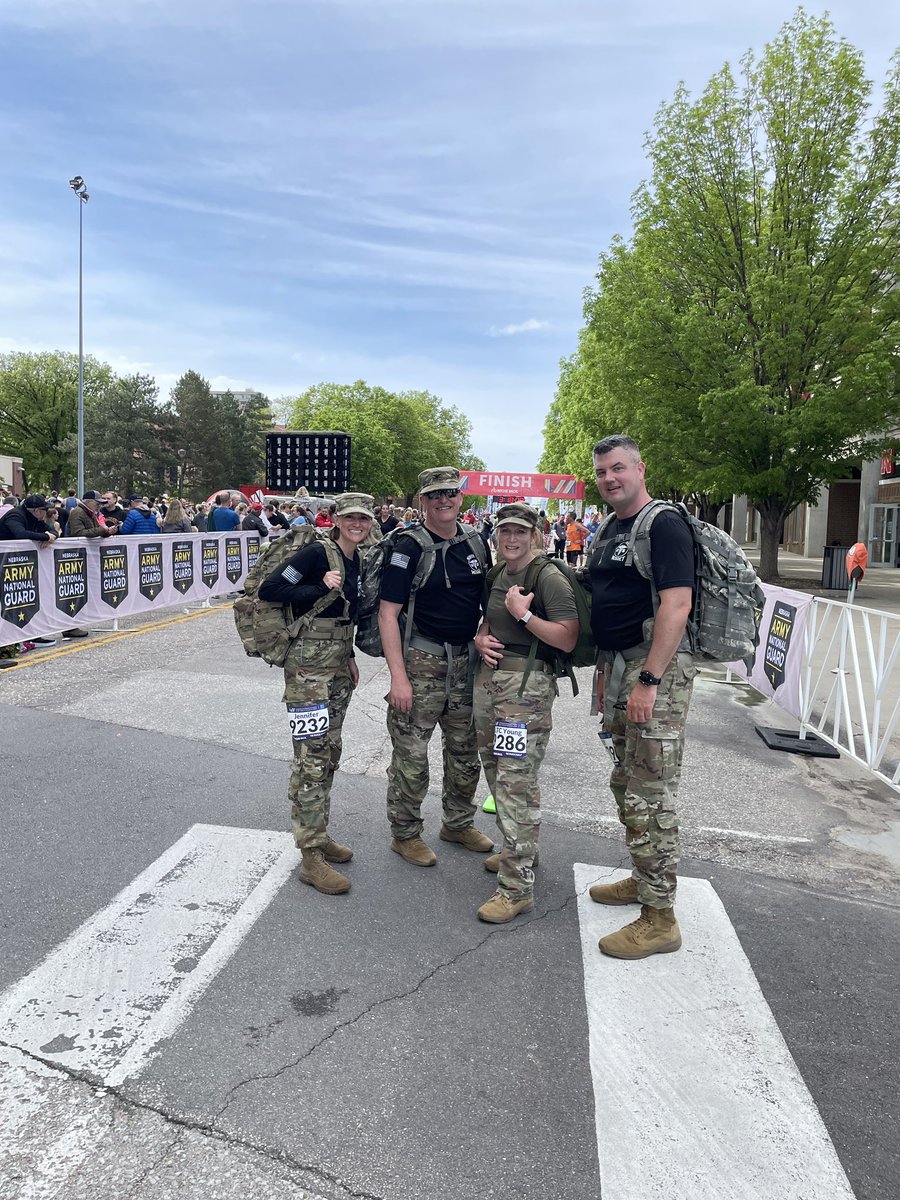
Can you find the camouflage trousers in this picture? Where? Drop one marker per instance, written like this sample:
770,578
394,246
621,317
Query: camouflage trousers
317,672
10,651
514,780
645,779
410,734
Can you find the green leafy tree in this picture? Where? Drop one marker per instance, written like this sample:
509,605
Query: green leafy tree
747,334
39,412
395,434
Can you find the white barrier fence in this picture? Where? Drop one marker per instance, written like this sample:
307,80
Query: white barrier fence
85,581
850,684
834,666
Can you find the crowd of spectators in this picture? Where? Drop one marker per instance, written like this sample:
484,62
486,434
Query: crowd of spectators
42,519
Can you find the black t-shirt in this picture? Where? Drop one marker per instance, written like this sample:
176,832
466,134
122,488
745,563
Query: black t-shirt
621,599
389,524
279,519
442,613
298,582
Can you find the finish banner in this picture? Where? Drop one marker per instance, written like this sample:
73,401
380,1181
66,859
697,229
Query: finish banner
779,655
85,581
520,483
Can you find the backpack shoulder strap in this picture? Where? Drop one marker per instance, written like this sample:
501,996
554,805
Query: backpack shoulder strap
639,541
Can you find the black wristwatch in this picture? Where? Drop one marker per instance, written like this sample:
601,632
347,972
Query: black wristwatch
648,679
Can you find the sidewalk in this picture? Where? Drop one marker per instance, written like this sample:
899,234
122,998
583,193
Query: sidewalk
879,589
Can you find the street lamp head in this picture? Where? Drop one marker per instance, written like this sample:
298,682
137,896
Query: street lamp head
78,187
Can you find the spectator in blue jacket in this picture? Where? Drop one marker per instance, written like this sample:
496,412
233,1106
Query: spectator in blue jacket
139,518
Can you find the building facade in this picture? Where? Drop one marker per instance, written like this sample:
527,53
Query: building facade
864,507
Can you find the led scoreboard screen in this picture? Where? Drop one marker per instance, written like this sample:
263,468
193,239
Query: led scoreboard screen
318,461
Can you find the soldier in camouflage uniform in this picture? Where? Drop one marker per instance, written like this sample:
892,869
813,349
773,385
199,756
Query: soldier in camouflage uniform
645,690
512,709
431,684
320,674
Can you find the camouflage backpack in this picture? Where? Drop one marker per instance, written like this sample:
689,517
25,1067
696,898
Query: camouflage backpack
584,652
268,630
368,638
728,600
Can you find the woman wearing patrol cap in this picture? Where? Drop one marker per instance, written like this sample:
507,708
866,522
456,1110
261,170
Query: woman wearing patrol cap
320,674
513,721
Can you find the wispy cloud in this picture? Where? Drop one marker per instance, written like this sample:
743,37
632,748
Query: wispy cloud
528,326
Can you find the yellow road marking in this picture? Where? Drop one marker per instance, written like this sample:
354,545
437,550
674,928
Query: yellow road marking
32,659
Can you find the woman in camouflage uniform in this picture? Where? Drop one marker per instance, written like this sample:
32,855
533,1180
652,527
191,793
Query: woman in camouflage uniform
513,729
320,674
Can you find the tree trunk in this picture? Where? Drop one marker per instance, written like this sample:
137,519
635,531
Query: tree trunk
708,509
771,528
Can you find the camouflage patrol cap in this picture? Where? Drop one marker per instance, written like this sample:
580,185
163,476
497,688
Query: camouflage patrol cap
354,502
517,514
436,478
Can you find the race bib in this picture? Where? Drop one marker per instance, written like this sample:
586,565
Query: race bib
510,739
307,721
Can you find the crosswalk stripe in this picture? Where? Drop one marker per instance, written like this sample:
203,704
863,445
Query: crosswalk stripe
126,979
696,1094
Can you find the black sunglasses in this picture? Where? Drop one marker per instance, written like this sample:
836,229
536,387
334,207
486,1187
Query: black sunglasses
443,494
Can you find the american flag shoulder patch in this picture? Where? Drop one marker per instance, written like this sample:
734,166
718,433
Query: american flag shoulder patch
399,560
291,574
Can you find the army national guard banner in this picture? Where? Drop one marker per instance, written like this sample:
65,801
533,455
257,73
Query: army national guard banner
780,653
82,581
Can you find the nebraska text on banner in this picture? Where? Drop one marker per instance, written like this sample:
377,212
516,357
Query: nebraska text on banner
79,581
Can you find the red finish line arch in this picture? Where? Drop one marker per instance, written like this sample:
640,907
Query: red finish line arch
521,483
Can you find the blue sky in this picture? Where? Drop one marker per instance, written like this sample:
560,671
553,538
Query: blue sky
412,192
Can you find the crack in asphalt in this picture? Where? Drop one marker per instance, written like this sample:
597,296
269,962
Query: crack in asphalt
193,1125
411,991
157,1162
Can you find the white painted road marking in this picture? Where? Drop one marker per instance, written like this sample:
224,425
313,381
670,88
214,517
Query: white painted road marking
696,1095
124,981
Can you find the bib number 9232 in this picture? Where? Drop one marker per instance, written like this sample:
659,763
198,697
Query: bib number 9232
510,739
307,721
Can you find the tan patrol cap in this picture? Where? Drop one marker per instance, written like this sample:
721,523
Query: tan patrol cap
354,502
516,514
436,478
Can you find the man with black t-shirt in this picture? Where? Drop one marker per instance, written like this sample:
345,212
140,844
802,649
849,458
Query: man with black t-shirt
431,683
644,691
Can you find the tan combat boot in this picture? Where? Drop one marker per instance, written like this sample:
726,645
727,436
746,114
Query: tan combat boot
492,862
415,851
470,837
623,891
335,852
315,871
500,908
654,932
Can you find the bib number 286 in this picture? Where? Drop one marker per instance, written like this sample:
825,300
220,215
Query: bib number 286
510,739
307,721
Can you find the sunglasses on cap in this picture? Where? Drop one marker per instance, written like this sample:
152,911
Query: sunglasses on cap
442,494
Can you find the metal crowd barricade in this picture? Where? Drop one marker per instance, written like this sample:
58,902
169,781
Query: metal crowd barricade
850,683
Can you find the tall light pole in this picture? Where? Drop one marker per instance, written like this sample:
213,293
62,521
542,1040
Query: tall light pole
80,189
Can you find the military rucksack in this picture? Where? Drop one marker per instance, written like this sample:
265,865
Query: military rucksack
368,637
584,652
723,625
268,630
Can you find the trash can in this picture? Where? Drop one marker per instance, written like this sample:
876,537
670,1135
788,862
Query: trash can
834,568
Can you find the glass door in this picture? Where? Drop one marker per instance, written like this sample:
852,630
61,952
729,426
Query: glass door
883,542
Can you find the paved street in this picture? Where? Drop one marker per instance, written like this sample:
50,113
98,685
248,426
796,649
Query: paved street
179,1016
